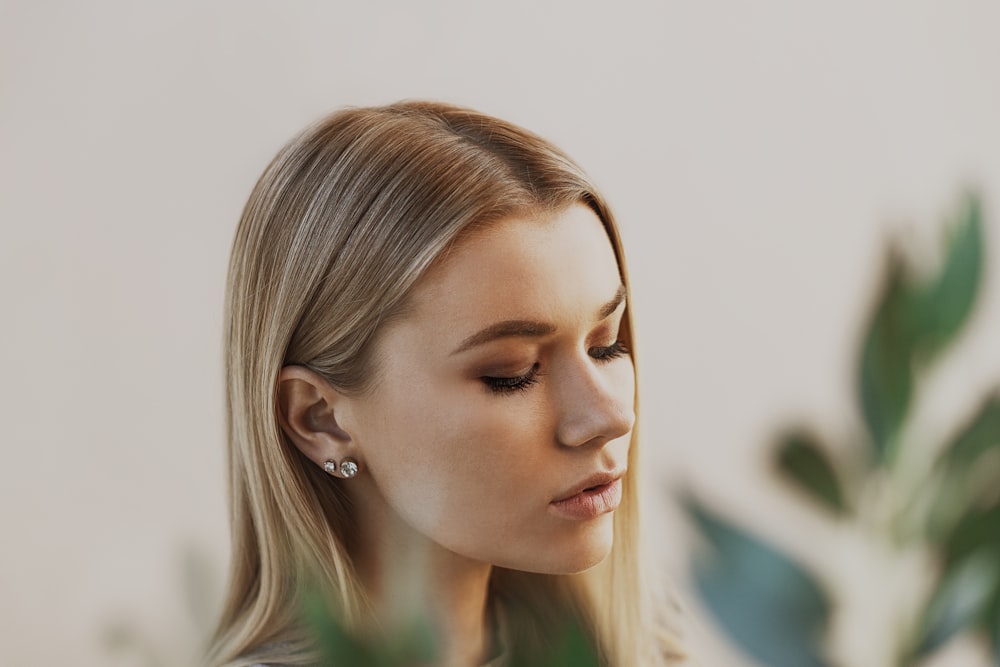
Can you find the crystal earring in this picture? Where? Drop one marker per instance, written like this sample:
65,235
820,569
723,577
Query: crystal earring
330,466
348,468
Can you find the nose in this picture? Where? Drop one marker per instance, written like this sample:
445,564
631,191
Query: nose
596,403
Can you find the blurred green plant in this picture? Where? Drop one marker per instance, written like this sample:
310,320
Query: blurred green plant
775,608
770,605
417,644
414,645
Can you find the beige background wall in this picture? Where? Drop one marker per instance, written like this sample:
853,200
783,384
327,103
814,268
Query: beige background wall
757,154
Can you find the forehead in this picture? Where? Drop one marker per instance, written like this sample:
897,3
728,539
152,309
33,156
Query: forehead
543,265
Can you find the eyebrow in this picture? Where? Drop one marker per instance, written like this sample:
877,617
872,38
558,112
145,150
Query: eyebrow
529,328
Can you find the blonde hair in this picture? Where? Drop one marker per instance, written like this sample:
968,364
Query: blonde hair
343,222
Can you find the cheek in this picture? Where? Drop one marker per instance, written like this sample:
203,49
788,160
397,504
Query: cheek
439,457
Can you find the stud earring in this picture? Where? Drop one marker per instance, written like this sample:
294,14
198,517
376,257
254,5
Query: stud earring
330,466
348,468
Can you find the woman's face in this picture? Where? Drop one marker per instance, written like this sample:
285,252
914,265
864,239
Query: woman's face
501,396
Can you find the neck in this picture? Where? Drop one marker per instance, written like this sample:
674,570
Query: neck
411,580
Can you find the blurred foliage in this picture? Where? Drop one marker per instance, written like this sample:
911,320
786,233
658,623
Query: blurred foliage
770,605
417,644
913,322
414,645
573,648
804,463
778,611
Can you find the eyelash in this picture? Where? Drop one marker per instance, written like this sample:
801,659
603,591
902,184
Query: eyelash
510,385
613,351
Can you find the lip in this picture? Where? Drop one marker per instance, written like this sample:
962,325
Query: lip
594,496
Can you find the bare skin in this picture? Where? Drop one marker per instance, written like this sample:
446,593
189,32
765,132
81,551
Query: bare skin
466,442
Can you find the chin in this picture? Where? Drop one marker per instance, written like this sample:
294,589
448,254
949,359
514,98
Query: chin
575,551
586,558
583,564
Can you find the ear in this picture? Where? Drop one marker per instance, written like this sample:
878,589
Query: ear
307,411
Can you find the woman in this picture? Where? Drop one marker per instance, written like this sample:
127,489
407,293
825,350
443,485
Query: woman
431,396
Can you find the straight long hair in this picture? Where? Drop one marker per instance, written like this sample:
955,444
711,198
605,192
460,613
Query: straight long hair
341,225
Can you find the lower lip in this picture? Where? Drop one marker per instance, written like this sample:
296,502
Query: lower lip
591,503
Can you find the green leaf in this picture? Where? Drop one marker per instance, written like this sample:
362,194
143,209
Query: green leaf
804,464
415,644
965,476
978,530
979,435
572,648
959,601
333,641
912,324
940,307
885,377
765,601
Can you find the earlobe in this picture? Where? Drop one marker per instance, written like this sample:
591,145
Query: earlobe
307,412
348,468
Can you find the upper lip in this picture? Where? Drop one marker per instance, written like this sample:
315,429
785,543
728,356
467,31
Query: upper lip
597,479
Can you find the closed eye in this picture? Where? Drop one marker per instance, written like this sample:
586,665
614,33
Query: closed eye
509,385
613,351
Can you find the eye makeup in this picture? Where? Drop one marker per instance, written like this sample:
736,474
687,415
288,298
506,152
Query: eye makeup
508,385
502,384
613,351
